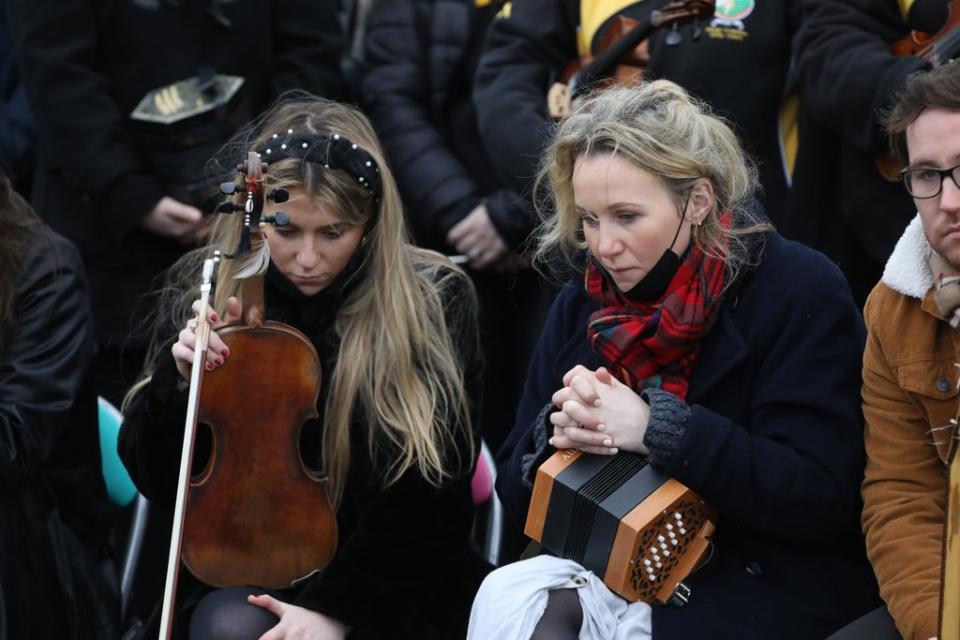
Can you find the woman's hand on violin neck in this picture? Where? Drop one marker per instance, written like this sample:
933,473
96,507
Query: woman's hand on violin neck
598,414
217,351
298,623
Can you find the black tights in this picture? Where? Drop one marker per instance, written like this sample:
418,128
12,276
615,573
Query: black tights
225,614
562,618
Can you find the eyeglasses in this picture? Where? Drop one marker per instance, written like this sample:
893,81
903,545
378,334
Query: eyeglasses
928,183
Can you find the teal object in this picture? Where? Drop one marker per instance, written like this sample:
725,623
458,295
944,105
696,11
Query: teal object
120,487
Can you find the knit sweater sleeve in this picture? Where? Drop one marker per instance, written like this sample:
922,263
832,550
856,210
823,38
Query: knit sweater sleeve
668,422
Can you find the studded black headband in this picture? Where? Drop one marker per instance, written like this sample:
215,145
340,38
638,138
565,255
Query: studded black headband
333,151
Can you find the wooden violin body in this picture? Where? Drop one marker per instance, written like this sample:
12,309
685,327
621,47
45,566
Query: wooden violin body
939,48
622,54
256,514
627,73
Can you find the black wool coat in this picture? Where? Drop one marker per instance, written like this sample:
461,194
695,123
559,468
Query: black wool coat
774,442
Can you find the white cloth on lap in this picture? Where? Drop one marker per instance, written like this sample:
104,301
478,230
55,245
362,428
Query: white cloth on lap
512,599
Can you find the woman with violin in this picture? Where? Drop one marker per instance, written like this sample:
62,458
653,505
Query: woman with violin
724,356
395,331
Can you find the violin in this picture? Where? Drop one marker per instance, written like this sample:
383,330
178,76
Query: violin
623,52
937,49
256,514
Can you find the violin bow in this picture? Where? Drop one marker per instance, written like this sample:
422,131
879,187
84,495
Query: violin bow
186,457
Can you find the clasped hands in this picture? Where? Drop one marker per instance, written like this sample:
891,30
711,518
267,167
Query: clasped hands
598,414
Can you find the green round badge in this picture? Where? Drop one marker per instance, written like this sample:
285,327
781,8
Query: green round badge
734,9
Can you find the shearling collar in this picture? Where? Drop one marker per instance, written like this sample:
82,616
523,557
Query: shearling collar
908,268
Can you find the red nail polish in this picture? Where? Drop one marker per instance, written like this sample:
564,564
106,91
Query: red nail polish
225,353
218,361
213,317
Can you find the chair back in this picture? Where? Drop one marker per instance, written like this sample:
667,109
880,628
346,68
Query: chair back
120,487
484,497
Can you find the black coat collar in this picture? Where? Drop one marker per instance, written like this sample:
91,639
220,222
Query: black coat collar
725,347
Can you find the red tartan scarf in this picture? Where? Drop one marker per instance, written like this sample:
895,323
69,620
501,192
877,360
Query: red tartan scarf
655,343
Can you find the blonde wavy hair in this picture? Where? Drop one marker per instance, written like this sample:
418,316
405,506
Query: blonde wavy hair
397,363
660,128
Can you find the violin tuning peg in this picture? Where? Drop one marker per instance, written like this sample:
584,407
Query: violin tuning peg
228,207
228,188
279,195
279,219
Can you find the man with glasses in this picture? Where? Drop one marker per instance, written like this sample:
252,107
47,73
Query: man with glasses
924,183
912,361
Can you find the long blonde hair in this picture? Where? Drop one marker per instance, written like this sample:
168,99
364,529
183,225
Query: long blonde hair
397,363
660,128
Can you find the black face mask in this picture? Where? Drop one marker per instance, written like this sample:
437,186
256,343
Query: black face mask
655,283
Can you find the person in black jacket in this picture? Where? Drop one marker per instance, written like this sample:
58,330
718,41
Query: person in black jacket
724,356
395,330
130,99
848,77
418,90
739,65
16,120
56,574
418,81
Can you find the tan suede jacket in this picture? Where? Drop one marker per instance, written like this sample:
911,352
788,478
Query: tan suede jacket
910,378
